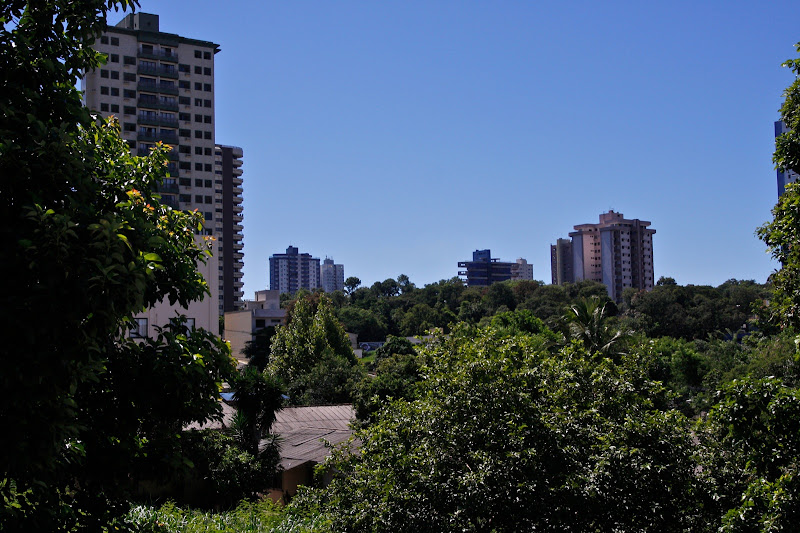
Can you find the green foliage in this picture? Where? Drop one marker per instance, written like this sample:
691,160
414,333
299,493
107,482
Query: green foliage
395,378
312,356
587,321
258,397
248,517
87,246
395,345
751,447
506,436
257,350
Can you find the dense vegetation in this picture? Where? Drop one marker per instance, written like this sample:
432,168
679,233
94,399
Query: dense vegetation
531,407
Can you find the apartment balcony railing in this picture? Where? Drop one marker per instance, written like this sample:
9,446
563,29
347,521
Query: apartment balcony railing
166,88
171,188
157,103
158,70
172,57
169,200
157,120
164,136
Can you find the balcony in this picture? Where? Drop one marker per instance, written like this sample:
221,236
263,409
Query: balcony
164,71
157,120
238,256
171,57
156,103
237,191
169,137
237,171
238,208
166,187
170,200
236,181
166,88
238,245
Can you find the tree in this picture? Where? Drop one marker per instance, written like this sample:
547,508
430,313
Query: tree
351,284
312,354
87,246
502,435
587,322
782,234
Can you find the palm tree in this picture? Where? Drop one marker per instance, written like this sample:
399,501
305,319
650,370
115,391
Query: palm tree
587,321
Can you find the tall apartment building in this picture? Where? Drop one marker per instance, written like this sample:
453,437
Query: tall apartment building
617,252
331,276
521,269
160,86
790,176
561,262
293,271
228,220
483,270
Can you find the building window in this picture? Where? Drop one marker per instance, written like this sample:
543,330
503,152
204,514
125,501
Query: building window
198,102
198,198
186,117
129,60
114,91
185,182
198,134
183,149
114,75
184,100
103,90
129,126
198,86
208,215
198,69
138,329
198,182
104,108
114,108
198,54
104,40
207,135
198,150
208,183
207,87
207,119
129,110
128,76
185,165
114,58
207,151
185,133
198,118
183,68
207,103
185,198
206,55
183,84
207,71
115,41
103,73
209,200
207,168
198,167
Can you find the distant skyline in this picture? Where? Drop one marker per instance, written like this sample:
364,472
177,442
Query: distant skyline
397,138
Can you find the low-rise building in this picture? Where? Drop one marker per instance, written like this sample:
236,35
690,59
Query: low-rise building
241,326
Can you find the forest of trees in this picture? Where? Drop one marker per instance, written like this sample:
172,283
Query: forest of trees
529,407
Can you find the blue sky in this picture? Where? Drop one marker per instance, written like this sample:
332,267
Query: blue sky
398,137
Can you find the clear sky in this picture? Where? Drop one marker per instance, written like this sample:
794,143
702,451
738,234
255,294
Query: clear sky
398,137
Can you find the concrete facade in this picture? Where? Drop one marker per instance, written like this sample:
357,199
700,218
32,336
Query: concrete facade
521,269
561,270
616,252
228,170
241,326
331,276
293,271
160,87
483,270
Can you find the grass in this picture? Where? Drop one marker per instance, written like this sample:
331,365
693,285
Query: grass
247,517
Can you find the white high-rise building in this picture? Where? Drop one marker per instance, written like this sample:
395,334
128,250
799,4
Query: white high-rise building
331,276
160,86
521,269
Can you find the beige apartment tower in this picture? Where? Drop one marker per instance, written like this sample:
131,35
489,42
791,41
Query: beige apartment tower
617,252
160,86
